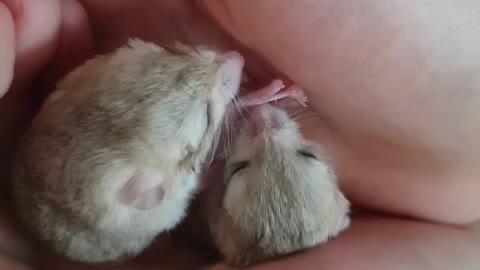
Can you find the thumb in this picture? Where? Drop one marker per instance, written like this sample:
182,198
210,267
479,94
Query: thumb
34,34
35,30
7,49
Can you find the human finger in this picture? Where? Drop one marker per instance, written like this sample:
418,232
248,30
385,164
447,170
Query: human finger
7,49
37,25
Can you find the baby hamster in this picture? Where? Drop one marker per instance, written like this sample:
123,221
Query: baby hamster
113,156
279,194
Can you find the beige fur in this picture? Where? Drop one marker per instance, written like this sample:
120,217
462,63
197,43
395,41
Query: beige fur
282,201
139,109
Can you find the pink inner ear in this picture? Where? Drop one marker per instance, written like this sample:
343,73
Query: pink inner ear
143,191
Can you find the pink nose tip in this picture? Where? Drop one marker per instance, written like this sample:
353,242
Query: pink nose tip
230,67
266,117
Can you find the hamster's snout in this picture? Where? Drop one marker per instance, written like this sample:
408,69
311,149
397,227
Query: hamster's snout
230,68
267,118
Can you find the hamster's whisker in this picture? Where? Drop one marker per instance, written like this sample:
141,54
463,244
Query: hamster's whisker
297,112
301,113
248,113
241,110
181,27
214,148
236,110
234,115
231,127
242,89
294,114
227,127
308,118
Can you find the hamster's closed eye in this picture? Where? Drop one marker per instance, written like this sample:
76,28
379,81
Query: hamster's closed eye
307,154
237,167
209,114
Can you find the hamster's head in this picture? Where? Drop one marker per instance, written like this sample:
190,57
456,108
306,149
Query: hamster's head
280,191
173,102
196,85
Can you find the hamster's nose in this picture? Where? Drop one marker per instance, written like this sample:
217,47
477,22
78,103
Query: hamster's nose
230,68
267,118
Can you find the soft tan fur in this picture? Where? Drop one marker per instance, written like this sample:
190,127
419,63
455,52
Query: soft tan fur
140,109
282,201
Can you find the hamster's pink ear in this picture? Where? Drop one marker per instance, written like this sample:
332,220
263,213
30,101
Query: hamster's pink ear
143,191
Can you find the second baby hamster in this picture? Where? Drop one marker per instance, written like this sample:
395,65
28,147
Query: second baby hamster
279,193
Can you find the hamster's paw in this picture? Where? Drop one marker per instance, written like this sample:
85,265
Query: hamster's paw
296,93
263,95
275,92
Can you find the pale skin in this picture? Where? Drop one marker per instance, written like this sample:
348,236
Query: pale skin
396,84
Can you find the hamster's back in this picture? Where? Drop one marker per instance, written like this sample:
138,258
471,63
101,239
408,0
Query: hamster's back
89,137
64,169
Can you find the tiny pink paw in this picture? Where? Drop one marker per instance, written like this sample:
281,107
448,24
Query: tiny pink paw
263,95
298,94
274,92
275,86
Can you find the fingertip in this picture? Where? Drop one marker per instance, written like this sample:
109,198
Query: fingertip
36,33
74,46
7,48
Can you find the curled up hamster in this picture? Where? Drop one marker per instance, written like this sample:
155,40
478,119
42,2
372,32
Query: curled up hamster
113,156
279,193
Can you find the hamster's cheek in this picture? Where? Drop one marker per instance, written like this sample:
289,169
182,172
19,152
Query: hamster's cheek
195,127
242,153
217,111
343,214
235,198
243,147
343,224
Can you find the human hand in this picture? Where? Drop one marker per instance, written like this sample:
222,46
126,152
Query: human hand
351,143
34,37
